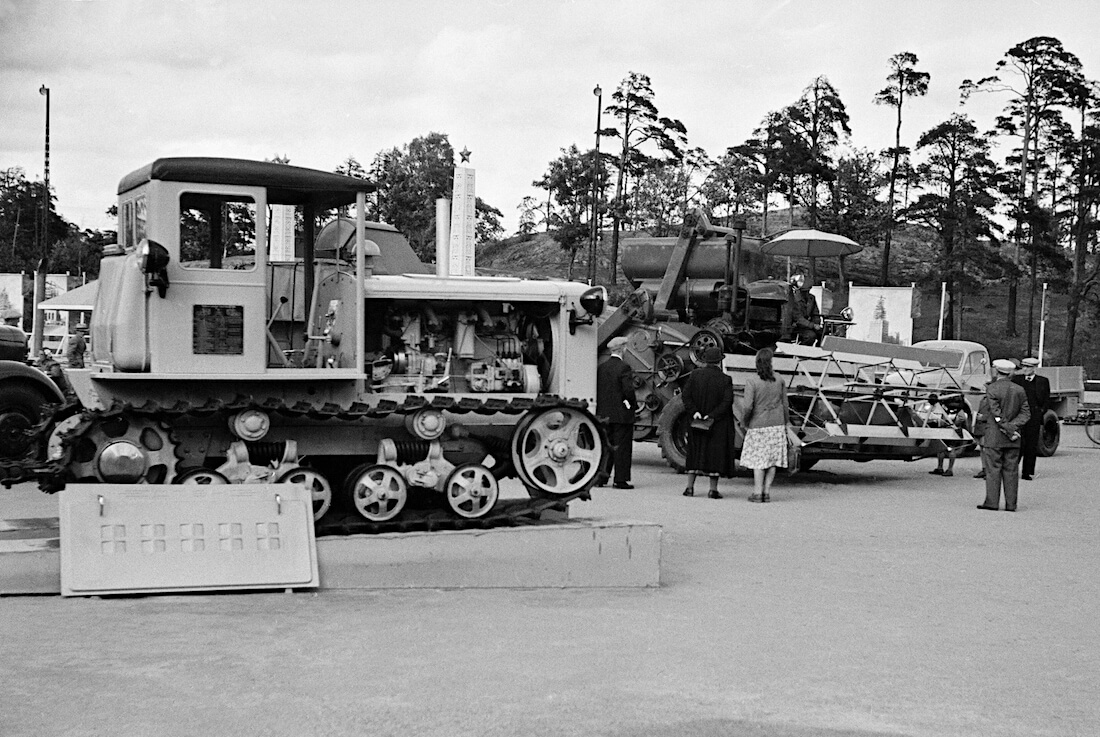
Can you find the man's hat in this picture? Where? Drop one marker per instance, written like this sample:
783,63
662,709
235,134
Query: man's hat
616,343
712,354
1004,366
1029,361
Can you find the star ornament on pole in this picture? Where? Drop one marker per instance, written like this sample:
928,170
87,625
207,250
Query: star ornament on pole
464,155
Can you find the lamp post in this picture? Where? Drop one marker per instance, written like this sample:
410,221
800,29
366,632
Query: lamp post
595,191
40,275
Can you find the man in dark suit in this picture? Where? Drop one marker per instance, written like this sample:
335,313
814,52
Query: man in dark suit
1037,389
615,401
1002,413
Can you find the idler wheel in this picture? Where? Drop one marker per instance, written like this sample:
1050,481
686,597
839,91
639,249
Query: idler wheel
378,492
471,490
557,451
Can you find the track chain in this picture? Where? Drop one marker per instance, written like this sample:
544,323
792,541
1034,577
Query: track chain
51,474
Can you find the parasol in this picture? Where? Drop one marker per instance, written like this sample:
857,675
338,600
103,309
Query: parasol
810,243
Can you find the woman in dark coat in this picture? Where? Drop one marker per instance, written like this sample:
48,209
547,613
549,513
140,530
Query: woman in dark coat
708,392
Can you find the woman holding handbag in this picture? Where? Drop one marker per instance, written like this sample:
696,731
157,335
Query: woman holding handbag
765,418
708,400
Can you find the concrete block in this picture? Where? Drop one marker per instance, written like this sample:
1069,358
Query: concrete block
580,553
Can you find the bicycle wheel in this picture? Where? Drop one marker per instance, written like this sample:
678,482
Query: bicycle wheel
1092,429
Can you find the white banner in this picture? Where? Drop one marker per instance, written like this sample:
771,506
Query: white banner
281,248
56,322
463,223
11,299
882,314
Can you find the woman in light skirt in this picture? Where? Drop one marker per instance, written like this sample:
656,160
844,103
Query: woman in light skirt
765,417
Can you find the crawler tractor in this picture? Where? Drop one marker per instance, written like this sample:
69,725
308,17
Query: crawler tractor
229,351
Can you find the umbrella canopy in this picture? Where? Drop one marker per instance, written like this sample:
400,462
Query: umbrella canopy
81,299
811,243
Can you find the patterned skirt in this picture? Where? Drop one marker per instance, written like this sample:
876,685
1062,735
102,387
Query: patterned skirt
765,447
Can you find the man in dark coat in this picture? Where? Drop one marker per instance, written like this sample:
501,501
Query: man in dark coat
1001,415
615,401
1037,389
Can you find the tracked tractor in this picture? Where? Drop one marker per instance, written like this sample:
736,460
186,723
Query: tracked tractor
229,351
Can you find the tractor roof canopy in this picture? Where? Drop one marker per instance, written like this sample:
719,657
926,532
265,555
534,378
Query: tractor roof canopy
286,185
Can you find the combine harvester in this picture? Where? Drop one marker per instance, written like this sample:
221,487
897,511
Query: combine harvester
852,402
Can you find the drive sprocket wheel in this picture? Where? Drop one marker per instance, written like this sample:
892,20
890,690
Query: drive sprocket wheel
124,448
557,451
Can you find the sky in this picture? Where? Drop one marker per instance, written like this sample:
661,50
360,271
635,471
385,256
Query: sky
511,80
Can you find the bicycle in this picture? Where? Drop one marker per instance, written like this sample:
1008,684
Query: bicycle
1090,417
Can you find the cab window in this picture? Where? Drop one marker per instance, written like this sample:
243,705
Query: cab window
217,231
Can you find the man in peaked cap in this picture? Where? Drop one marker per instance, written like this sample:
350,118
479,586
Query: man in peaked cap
1037,389
1001,415
615,400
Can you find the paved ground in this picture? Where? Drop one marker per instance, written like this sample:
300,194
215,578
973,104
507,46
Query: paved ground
869,599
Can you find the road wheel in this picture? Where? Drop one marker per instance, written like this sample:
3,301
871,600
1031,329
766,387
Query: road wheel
1050,435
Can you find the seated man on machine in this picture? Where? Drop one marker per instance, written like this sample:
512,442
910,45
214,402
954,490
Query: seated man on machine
806,323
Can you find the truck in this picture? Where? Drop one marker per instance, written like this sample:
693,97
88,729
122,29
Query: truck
397,396
711,286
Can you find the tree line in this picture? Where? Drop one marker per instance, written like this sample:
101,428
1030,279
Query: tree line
800,161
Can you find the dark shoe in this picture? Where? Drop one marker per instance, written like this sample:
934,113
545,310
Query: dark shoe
623,485
767,498
1025,477
756,498
936,472
980,475
713,495
948,473
1010,509
992,509
689,492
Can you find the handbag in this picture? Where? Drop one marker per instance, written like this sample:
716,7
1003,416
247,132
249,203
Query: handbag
794,453
703,424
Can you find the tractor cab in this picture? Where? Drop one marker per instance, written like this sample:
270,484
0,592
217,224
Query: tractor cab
211,255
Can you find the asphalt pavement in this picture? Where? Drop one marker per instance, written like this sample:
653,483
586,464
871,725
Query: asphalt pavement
866,599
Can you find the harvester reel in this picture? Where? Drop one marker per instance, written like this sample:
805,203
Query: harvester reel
702,340
125,449
557,451
471,491
319,488
377,491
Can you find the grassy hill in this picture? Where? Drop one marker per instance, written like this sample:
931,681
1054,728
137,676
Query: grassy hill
913,260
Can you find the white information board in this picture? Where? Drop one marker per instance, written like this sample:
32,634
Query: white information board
139,538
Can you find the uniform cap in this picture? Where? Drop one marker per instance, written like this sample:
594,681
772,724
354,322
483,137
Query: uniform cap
1004,365
616,343
1029,361
712,354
